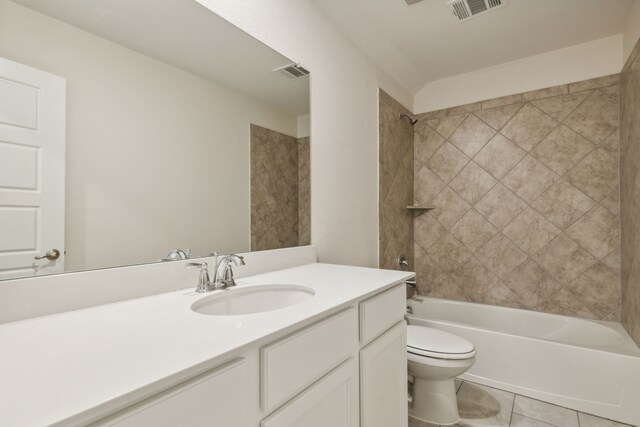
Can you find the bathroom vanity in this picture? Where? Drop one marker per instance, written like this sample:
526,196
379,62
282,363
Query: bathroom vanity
336,358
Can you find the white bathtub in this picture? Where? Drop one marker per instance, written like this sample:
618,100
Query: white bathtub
587,365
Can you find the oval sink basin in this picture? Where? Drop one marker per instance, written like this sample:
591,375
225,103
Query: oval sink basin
254,299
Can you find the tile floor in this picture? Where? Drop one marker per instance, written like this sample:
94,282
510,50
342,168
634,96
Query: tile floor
482,406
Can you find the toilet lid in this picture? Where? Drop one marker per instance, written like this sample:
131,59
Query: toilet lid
430,342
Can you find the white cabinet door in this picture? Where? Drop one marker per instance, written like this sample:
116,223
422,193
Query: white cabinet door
216,398
383,380
32,164
331,402
293,363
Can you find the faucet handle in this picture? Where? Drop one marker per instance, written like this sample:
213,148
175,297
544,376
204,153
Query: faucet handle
197,265
204,282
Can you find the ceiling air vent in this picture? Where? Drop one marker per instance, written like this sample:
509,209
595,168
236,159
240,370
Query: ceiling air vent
465,9
293,71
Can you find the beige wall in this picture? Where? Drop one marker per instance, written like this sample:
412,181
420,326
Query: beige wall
396,183
344,121
630,193
557,67
525,190
148,147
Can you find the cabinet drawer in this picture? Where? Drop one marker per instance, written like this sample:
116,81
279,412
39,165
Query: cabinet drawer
214,398
381,312
296,361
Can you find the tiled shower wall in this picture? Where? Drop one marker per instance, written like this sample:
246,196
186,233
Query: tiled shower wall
526,197
630,193
304,191
396,183
280,186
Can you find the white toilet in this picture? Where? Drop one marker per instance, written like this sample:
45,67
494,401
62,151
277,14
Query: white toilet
435,359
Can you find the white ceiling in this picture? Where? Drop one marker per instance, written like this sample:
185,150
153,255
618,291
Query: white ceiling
424,42
191,37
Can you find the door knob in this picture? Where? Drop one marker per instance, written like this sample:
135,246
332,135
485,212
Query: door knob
51,255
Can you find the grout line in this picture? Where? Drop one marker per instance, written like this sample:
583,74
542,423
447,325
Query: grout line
508,120
557,179
563,176
513,405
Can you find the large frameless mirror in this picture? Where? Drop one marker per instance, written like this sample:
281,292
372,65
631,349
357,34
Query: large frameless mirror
141,131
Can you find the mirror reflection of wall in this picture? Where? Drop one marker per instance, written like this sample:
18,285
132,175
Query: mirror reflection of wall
159,102
280,190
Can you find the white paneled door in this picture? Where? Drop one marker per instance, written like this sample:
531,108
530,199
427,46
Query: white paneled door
32,165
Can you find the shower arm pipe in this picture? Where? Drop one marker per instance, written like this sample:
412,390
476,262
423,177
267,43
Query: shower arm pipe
412,119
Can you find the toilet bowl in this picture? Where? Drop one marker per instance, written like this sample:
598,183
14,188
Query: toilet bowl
435,358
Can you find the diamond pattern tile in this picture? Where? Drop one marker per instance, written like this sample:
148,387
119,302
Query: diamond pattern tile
596,175
612,201
426,142
562,149
532,284
427,231
472,135
612,143
449,253
527,200
499,156
613,260
474,278
598,289
427,186
446,125
560,107
563,204
500,206
449,207
447,162
531,231
432,281
563,259
529,127
501,255
473,230
472,183
501,295
598,116
597,232
564,302
499,116
529,179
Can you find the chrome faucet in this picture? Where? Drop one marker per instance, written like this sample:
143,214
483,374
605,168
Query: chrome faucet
222,274
177,254
204,282
224,271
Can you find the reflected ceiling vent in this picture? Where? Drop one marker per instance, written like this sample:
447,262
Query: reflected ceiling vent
466,9
293,71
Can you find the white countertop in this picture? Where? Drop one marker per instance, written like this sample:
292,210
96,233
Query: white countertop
81,364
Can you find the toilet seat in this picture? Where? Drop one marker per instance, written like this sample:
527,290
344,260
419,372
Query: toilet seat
429,342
